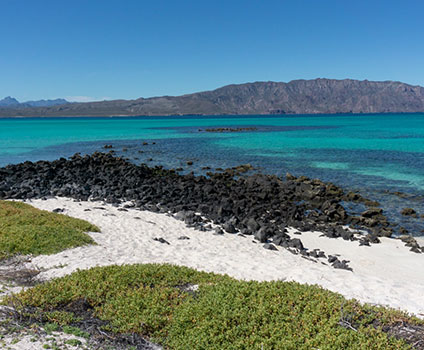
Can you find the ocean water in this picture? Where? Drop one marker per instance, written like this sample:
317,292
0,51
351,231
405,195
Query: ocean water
374,154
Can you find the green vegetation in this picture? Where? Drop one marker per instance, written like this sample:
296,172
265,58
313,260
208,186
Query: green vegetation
59,317
221,313
75,331
51,327
27,230
73,342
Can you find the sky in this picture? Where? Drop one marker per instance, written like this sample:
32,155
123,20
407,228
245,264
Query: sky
86,50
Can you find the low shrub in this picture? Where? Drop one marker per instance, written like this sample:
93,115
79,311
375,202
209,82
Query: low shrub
27,230
182,308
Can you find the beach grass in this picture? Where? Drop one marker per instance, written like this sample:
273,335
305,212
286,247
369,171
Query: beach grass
27,230
181,308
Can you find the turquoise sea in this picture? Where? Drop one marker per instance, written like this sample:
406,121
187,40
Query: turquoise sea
375,154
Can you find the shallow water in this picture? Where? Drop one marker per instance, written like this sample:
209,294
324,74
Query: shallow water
370,153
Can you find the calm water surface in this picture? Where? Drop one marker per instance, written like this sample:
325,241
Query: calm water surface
370,153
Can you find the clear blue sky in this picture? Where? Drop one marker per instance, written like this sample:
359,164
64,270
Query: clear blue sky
127,49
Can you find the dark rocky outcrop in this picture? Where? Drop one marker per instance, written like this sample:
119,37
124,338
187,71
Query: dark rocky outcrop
258,205
229,129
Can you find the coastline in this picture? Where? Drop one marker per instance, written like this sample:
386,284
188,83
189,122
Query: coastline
224,115
253,227
385,274
249,227
362,168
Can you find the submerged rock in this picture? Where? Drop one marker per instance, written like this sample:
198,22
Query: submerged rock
372,212
409,212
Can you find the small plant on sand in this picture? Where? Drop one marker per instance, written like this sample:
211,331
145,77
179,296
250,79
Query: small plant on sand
51,327
75,331
27,230
73,342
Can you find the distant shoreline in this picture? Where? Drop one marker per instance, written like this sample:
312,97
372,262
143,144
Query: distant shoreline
317,96
172,116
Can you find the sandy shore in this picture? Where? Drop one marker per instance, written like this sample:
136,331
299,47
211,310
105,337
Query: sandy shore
384,274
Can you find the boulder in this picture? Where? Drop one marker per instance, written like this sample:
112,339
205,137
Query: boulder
270,246
372,212
261,235
229,227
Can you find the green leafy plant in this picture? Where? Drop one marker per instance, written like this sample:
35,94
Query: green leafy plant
27,230
159,302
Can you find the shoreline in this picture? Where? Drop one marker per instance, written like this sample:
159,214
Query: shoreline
299,201
374,270
241,201
128,237
171,116
248,226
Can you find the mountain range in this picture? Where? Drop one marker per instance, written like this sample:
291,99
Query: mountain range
10,102
318,96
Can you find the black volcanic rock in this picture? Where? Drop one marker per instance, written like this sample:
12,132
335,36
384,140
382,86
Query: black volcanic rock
296,97
259,205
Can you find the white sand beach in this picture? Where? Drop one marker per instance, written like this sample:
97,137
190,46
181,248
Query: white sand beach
384,274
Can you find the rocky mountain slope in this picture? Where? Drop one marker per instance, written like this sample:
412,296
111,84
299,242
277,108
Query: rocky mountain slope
296,97
10,102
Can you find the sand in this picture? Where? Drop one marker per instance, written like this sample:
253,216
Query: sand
384,274
37,339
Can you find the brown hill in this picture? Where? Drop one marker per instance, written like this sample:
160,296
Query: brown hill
296,97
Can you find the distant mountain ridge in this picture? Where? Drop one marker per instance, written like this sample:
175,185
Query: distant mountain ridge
14,103
318,96
9,102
